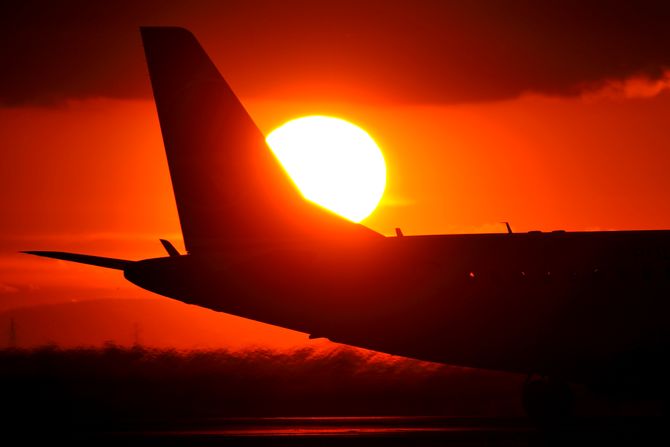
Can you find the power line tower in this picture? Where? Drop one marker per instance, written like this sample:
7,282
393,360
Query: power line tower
12,334
137,332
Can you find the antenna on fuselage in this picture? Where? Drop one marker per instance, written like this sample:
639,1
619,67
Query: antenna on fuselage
509,228
169,247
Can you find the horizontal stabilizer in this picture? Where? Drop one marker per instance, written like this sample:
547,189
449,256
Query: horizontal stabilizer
110,263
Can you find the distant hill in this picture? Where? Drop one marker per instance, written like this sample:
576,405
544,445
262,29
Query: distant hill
160,322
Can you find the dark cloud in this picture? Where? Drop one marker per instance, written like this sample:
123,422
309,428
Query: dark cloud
439,51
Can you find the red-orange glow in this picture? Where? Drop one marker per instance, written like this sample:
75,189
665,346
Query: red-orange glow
91,177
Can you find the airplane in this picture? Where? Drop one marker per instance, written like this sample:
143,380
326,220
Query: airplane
560,307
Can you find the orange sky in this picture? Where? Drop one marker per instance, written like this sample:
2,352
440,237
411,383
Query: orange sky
88,173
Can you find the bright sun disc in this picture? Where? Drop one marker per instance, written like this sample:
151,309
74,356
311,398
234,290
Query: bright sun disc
333,162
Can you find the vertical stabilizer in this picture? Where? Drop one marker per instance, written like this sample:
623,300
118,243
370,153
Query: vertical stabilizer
229,187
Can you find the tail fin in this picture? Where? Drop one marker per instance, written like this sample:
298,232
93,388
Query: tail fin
228,185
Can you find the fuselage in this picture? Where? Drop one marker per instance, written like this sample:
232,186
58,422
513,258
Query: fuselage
568,304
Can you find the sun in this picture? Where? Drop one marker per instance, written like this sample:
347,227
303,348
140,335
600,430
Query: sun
333,162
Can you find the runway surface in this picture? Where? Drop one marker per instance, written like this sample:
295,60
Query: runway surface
384,431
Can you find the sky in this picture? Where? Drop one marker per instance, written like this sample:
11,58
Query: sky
548,115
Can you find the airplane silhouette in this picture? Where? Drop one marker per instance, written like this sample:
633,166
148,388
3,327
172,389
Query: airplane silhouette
584,307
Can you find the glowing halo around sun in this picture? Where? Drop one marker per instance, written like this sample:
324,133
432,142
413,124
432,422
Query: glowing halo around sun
334,163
